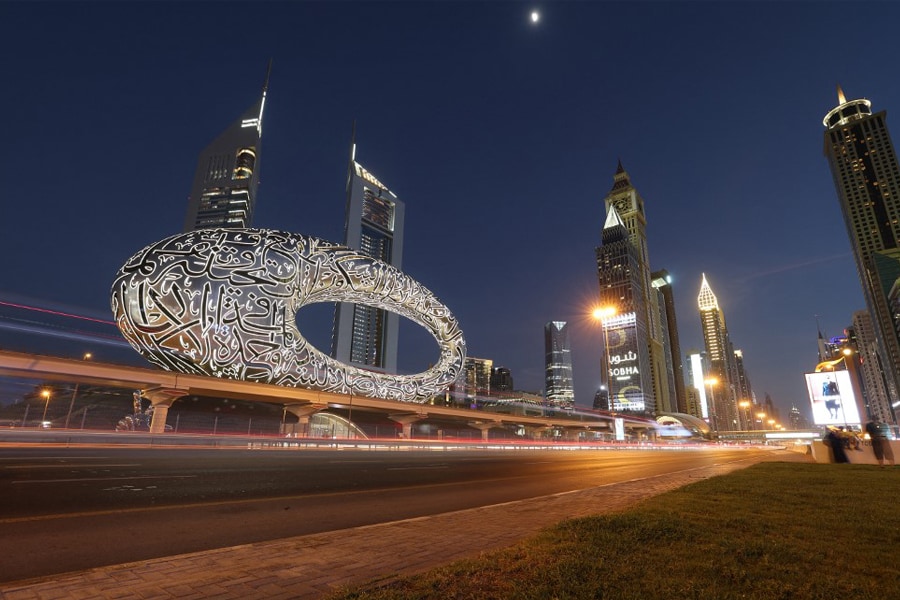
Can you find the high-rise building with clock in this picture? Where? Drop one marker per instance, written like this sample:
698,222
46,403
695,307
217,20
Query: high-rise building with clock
627,206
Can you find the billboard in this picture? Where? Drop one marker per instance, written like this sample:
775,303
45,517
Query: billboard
832,399
628,363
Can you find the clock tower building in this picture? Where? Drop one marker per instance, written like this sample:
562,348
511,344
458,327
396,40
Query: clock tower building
626,203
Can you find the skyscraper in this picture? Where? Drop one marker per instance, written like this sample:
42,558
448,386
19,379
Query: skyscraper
501,380
862,333
627,372
224,190
560,390
662,282
722,367
650,321
867,179
363,335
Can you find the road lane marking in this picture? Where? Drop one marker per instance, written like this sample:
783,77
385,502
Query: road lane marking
20,458
104,478
72,466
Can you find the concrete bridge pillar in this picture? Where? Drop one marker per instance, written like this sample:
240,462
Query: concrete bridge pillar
303,411
536,433
406,420
161,399
484,427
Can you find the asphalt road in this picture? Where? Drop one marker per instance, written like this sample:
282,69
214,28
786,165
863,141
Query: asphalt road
65,509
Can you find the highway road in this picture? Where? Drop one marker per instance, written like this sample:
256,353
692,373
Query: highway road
65,509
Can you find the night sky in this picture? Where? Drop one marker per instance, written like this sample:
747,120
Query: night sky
501,136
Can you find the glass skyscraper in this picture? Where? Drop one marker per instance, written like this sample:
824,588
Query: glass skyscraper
628,291
627,373
224,190
365,336
559,388
725,380
867,179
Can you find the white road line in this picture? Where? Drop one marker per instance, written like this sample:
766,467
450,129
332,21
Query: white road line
105,478
71,466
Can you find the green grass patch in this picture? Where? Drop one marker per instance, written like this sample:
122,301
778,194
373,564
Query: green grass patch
772,531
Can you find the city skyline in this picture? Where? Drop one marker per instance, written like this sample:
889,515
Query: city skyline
511,131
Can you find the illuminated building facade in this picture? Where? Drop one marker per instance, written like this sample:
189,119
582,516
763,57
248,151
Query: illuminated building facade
721,357
627,373
862,334
654,324
698,400
187,305
501,380
473,384
662,283
224,190
629,206
559,388
364,335
867,179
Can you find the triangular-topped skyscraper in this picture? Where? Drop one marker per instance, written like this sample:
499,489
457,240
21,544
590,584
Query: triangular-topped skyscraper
627,377
224,190
626,287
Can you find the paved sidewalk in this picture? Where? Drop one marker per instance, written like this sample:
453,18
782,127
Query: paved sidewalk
312,566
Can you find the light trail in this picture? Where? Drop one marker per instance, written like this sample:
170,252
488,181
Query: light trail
70,335
56,312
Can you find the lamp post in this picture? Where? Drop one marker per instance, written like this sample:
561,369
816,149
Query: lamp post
745,413
762,419
602,314
87,356
46,395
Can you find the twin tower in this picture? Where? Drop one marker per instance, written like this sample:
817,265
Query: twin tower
223,195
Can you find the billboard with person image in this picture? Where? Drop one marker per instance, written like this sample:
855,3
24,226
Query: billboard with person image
832,399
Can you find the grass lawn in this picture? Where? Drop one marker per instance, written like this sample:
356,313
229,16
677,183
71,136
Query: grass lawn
771,531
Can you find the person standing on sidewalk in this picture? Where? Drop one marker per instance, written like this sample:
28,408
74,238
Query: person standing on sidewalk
881,445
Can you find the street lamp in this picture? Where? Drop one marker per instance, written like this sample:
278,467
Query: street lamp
87,356
602,314
745,413
46,395
762,419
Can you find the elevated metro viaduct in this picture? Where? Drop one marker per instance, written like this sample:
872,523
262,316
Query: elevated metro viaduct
163,388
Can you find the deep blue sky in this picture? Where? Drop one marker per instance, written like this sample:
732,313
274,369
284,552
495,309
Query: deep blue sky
501,137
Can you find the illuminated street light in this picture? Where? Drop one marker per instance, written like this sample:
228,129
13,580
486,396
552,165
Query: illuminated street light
604,312
745,413
87,356
46,395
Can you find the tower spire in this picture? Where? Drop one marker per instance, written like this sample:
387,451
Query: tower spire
707,300
841,98
266,82
350,166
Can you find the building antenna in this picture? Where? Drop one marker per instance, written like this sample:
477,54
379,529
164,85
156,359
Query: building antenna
352,157
268,73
